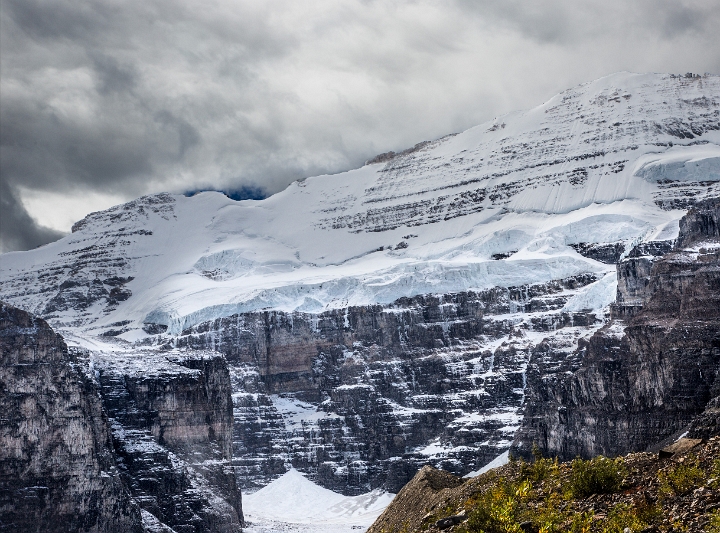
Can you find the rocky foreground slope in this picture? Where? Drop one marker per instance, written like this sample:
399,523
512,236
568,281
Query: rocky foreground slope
640,492
108,444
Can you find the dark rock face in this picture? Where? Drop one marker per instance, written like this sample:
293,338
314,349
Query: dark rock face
707,424
638,381
634,277
605,252
285,346
652,248
57,468
171,418
700,224
162,457
384,390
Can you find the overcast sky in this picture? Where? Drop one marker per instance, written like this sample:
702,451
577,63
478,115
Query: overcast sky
101,102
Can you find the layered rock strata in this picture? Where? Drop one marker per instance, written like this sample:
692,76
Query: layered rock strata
649,373
364,396
100,443
171,420
57,467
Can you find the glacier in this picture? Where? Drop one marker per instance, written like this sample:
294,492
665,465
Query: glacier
614,160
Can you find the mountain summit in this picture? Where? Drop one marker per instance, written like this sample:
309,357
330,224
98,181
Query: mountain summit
516,200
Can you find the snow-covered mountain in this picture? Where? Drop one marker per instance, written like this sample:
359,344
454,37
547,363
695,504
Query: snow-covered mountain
383,318
614,160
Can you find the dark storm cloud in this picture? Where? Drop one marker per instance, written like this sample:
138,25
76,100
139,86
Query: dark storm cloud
134,97
679,18
17,230
48,21
112,76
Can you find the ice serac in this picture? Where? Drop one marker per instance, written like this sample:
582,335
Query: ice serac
57,467
647,375
171,420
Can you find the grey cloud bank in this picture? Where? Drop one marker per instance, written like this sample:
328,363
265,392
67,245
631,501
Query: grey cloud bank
127,98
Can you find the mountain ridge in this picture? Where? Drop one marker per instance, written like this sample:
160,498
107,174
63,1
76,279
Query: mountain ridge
355,237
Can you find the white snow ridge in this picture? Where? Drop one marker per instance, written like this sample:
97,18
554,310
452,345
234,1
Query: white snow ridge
611,160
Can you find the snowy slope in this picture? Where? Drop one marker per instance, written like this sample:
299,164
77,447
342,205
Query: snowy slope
294,503
614,160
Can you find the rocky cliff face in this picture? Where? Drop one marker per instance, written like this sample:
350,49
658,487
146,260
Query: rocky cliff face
651,371
362,397
57,467
171,420
131,442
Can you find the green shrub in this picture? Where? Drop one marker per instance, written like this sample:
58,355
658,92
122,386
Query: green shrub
682,478
648,512
549,517
596,476
540,469
498,509
715,474
581,522
622,517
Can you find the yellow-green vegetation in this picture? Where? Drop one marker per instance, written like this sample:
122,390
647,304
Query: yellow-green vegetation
505,506
599,495
599,475
540,469
639,493
714,525
715,474
622,517
682,478
500,508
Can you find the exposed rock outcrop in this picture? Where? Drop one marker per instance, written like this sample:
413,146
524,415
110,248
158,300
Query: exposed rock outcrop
429,488
161,458
383,390
284,346
171,419
57,467
707,423
644,379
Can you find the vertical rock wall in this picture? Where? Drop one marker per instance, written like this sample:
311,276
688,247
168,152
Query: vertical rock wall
649,373
57,468
171,417
362,397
